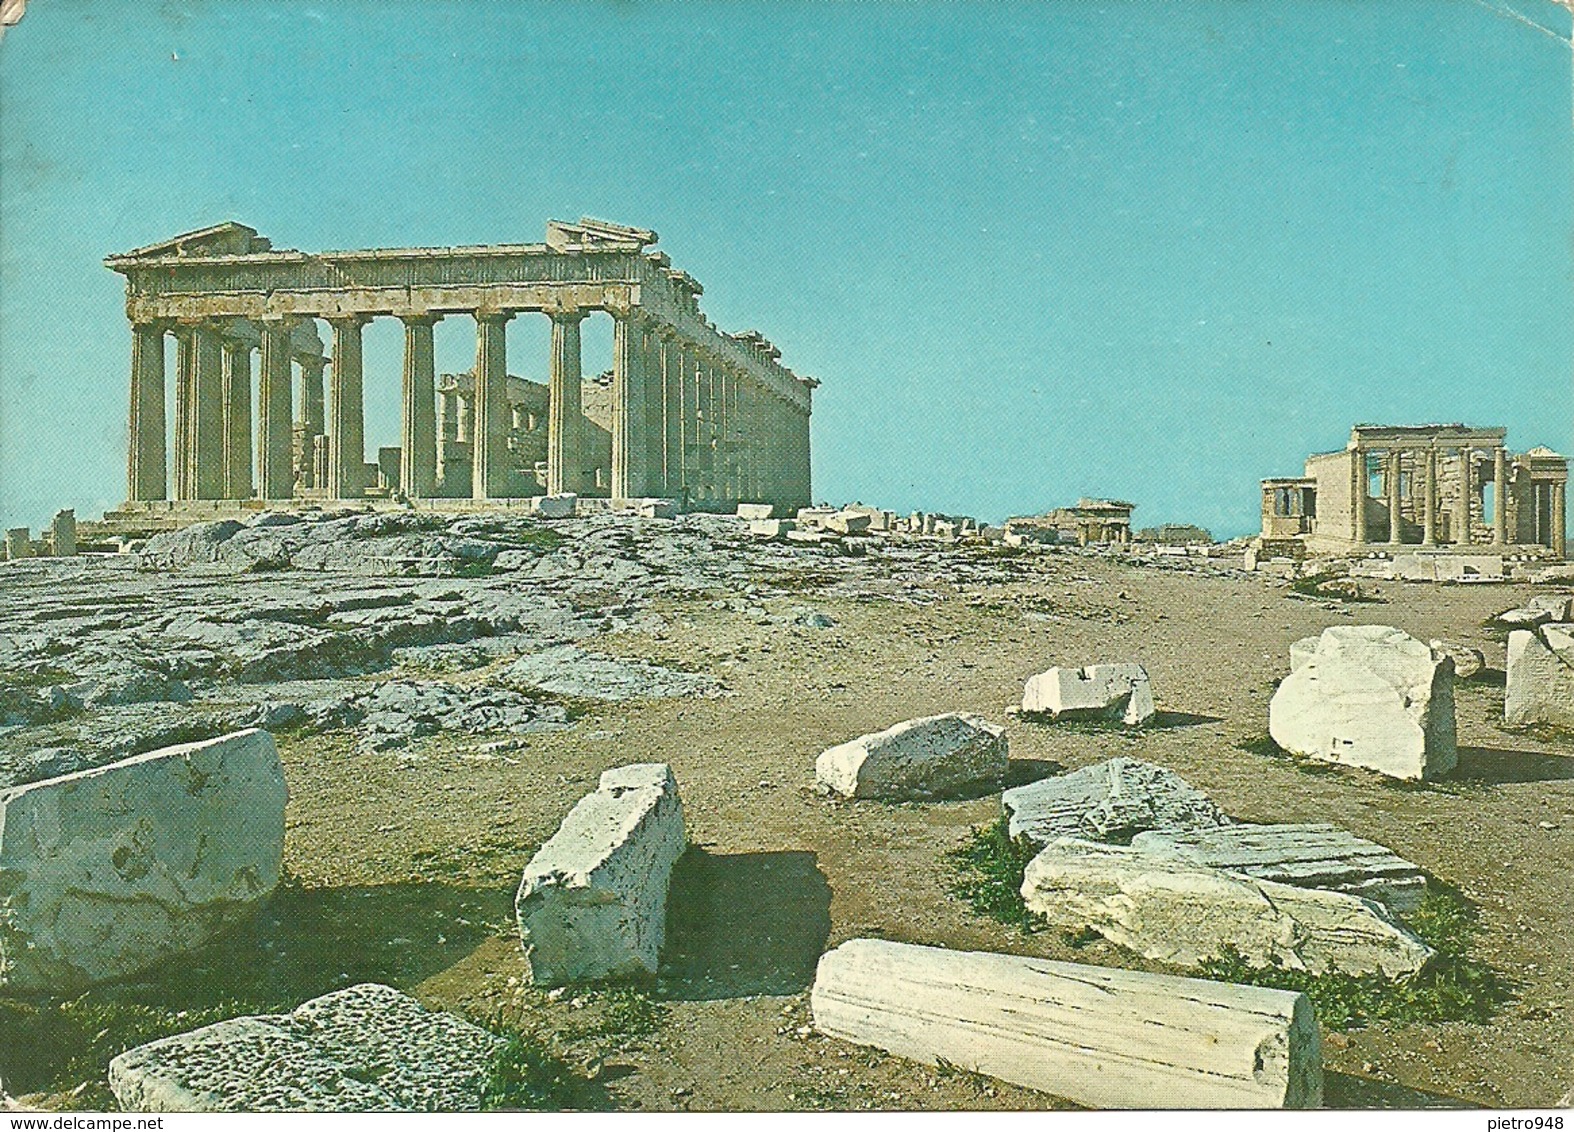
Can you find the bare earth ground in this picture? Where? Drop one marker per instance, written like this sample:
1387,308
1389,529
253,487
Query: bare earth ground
403,863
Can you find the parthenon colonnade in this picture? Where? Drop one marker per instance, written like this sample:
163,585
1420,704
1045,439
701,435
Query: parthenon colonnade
700,416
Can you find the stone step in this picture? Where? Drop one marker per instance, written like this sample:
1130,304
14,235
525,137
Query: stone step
1097,1036
1307,856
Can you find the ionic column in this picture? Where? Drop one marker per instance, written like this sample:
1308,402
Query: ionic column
207,414
489,477
346,411
418,416
565,405
145,457
1499,497
629,469
237,420
1395,528
1362,487
1429,502
185,380
1462,505
1559,521
275,465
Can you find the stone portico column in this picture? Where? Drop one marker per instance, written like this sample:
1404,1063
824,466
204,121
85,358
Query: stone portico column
1499,497
146,476
1395,500
630,477
489,476
1429,500
207,413
185,378
1362,487
418,416
1559,520
1462,504
237,420
275,463
346,411
565,405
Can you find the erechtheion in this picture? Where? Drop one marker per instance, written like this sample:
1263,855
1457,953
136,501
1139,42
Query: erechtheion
696,415
1447,486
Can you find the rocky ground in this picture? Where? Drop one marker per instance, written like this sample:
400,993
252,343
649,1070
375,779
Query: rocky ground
443,690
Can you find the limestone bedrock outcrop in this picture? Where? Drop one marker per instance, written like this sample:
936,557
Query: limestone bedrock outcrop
367,1048
106,872
1307,856
1181,913
1109,801
1369,696
936,756
1540,677
1101,1037
1098,691
593,900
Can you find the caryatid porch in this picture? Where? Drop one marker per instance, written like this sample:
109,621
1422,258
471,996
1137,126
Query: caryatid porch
697,415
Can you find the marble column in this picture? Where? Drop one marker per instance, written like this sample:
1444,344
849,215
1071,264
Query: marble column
1559,520
1499,497
346,412
565,406
146,474
1395,500
630,477
237,420
418,409
654,396
490,472
185,379
275,463
1462,508
682,427
1429,499
207,413
1363,485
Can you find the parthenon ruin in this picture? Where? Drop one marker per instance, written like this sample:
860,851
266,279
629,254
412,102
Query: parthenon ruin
695,415
1446,486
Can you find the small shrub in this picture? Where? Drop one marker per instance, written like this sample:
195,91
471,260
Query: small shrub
527,1076
989,875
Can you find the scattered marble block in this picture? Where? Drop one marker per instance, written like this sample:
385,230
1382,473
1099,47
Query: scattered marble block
847,522
557,506
108,871
1525,617
1099,691
1181,913
1307,856
1468,662
1110,801
773,529
1540,677
656,509
752,511
933,757
367,1048
1098,1036
1369,696
1557,607
593,900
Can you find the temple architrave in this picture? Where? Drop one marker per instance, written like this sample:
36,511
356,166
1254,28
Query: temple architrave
693,414
1449,487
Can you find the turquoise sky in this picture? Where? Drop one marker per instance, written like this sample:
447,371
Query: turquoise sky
1149,250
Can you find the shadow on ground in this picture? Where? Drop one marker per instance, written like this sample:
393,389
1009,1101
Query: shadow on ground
744,923
304,942
1344,1090
1020,772
1490,765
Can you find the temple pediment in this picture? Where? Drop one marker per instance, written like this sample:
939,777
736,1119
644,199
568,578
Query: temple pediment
592,233
228,238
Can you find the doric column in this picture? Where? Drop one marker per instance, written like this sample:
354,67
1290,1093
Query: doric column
654,397
346,411
1462,507
1429,499
630,470
565,405
418,417
489,475
275,465
206,474
1499,497
237,420
1559,520
185,381
1359,497
145,457
1395,500
681,410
